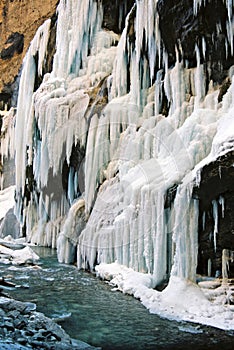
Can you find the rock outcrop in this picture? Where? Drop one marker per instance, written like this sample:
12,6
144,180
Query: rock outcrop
181,29
19,21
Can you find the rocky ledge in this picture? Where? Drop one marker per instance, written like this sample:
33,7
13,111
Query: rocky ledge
22,327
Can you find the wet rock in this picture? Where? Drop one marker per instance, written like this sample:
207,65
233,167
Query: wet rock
29,307
2,313
9,325
11,346
13,314
22,341
11,304
32,330
20,322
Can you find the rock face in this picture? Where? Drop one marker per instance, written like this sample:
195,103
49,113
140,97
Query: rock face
216,187
114,14
181,29
19,21
14,45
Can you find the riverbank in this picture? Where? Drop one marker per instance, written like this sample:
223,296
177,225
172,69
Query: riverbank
22,327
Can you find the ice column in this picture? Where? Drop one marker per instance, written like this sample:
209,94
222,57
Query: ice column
216,219
185,233
7,146
24,116
77,24
227,257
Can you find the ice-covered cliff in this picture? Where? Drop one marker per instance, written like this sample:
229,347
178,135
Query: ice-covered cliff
113,146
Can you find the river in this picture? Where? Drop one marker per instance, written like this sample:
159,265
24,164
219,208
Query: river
95,314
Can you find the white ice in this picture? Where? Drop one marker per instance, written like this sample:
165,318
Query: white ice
17,256
6,200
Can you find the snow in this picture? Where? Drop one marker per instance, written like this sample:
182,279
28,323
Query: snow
181,300
17,256
6,200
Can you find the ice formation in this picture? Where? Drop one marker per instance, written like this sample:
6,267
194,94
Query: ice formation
6,200
156,128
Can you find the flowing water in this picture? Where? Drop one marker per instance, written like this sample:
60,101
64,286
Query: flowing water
95,314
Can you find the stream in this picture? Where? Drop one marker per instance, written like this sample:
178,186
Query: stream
90,311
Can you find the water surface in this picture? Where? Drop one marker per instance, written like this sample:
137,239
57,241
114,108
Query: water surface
101,317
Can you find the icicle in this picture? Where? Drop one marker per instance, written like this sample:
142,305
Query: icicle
198,178
119,82
221,202
209,267
158,92
225,263
196,5
204,47
24,107
220,172
7,146
199,80
229,6
72,228
185,233
204,221
216,218
71,190
76,28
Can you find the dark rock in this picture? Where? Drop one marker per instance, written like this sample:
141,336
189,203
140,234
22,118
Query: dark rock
22,341
9,93
170,196
180,28
29,307
13,313
14,44
2,313
9,325
20,323
217,179
11,304
223,89
114,14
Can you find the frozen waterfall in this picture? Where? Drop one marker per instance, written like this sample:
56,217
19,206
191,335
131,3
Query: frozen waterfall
109,134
